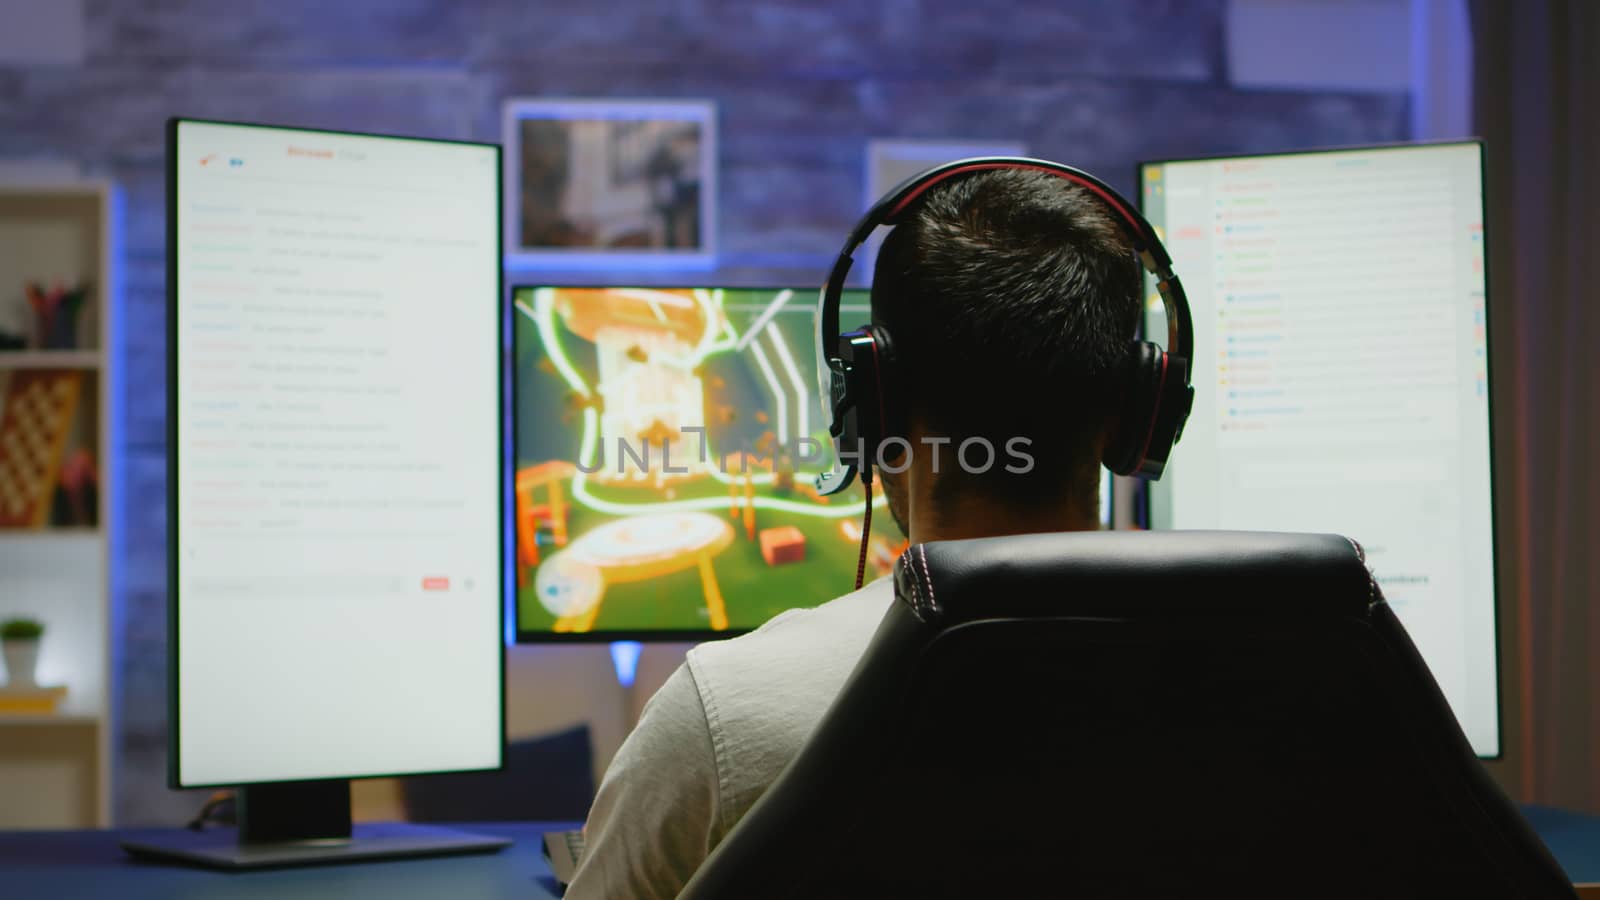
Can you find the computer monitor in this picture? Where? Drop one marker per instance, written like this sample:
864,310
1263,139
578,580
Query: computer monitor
666,441
336,451
1342,377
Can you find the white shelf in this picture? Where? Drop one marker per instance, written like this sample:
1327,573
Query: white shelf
46,720
51,188
49,359
58,531
55,768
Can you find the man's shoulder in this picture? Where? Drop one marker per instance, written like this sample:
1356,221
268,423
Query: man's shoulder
761,694
711,740
807,640
790,668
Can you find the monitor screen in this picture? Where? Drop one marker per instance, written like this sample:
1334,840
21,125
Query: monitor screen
336,444
1341,377
666,445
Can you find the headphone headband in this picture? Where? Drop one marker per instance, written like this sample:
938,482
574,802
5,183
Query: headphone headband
1147,244
1147,247
958,169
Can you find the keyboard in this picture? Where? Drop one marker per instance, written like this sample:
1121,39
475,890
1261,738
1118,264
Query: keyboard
563,849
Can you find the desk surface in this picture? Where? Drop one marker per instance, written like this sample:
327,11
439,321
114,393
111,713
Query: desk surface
54,864
58,864
1573,838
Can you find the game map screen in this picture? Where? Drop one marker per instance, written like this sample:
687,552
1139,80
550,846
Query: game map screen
666,445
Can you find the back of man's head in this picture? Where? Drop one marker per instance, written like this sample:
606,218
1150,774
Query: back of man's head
1012,298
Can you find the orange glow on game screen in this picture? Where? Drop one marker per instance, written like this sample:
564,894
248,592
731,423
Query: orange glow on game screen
663,482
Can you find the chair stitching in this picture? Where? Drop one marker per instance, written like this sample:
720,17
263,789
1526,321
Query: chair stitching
933,601
1372,580
916,591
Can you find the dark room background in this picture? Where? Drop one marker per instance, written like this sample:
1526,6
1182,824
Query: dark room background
800,88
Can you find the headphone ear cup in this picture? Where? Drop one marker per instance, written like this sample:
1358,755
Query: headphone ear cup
886,414
856,395
845,396
1124,452
1172,411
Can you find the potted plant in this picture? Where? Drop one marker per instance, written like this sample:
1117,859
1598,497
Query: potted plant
19,638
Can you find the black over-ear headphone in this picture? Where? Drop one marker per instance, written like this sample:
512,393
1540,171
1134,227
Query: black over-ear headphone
853,367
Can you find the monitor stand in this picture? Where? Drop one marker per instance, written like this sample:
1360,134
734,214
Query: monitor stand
301,824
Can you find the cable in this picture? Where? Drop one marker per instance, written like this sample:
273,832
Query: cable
866,527
216,809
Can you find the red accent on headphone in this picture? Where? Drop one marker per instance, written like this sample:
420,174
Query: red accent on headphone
1110,200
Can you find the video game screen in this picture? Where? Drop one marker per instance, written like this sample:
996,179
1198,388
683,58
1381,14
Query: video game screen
666,446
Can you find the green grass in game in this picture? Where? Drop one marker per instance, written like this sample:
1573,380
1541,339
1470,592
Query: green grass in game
752,591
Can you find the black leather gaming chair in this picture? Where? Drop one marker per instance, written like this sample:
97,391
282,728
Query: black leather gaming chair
1181,714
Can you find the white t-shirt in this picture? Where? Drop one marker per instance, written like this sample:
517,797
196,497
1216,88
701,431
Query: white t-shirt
712,739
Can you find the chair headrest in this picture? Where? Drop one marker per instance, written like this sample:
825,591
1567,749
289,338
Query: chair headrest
1122,574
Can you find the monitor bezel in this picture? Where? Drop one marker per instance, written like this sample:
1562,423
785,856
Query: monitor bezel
656,636
1141,503
175,712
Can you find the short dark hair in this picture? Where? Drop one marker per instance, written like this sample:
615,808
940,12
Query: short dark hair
1012,298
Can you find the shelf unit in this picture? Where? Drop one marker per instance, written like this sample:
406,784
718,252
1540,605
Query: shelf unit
49,359
55,769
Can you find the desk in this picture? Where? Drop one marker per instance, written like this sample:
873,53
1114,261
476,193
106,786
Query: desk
56,864
1574,840
61,864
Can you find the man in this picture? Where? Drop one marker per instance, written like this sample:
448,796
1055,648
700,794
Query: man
1012,298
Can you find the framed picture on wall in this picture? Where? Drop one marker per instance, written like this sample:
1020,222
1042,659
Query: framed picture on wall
611,184
890,162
